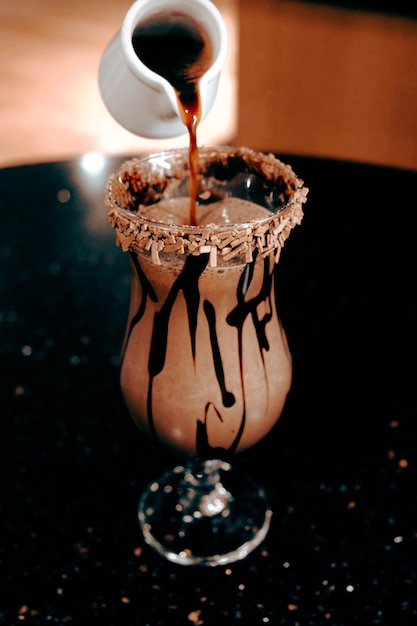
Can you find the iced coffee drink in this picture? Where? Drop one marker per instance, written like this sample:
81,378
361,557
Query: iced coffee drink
205,362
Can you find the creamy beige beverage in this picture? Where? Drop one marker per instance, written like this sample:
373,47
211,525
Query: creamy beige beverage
229,210
205,363
218,355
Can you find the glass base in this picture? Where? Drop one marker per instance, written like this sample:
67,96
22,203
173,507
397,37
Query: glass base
204,514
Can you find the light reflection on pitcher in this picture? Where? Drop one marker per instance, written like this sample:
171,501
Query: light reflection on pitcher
205,362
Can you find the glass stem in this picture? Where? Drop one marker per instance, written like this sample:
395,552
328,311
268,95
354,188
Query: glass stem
205,495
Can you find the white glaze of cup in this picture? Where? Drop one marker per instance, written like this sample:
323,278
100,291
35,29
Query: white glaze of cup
141,100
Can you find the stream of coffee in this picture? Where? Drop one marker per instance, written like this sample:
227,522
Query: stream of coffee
178,48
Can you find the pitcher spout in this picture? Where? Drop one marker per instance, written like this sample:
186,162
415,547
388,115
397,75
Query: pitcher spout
141,95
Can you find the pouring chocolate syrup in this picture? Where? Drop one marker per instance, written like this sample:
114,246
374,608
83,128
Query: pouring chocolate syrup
178,48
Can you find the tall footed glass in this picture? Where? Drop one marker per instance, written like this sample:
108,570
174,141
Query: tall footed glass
205,363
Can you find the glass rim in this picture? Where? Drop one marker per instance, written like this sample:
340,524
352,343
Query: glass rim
266,233
251,156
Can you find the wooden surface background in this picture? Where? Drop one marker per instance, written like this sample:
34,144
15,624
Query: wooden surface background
328,82
301,77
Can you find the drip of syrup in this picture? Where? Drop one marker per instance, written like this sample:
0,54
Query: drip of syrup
178,48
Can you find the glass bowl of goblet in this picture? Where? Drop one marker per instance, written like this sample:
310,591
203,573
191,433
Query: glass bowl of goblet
205,363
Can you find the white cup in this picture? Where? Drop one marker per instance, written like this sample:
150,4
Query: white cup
141,100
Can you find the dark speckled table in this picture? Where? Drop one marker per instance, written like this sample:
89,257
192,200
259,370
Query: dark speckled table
339,467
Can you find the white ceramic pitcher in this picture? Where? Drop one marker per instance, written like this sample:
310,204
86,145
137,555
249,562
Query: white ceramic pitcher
141,100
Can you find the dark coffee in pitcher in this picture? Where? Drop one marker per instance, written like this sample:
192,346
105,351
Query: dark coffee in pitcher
178,48
175,46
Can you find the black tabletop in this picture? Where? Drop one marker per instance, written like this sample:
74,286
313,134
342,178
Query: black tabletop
338,467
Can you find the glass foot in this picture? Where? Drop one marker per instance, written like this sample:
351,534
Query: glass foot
204,514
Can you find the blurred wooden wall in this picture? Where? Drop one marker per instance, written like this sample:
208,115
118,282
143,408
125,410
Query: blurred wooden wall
302,77
327,81
50,105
